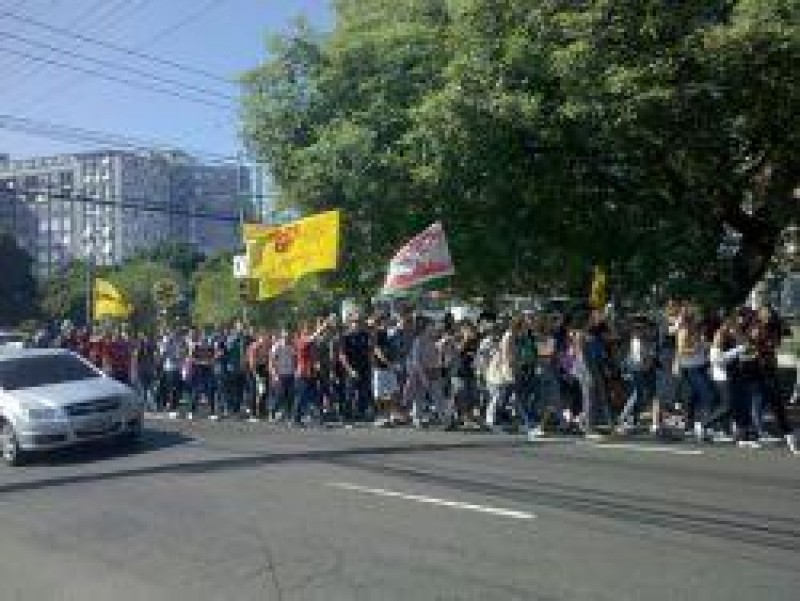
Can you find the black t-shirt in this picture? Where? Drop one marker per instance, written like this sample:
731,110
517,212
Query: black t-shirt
356,347
468,350
383,345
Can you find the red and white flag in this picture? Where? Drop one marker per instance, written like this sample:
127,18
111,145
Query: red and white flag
424,258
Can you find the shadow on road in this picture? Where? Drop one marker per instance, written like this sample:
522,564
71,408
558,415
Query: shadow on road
219,464
92,452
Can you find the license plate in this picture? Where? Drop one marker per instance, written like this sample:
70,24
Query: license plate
98,424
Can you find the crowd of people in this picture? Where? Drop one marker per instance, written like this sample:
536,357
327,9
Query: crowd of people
714,376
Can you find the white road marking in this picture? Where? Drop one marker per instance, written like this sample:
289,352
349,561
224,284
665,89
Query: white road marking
642,448
382,492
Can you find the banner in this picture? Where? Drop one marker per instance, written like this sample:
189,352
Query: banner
424,258
108,301
280,255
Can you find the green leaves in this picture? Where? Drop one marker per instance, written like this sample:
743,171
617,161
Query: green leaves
17,286
547,136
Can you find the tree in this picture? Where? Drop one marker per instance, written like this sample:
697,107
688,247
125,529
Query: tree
217,300
180,256
63,296
135,279
652,138
17,286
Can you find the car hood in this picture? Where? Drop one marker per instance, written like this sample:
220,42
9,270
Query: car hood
60,395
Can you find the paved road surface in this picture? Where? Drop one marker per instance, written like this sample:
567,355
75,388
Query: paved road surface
234,511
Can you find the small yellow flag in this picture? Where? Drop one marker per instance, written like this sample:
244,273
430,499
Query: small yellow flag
109,301
280,255
599,293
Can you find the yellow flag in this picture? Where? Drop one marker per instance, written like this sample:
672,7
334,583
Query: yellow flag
270,288
599,292
287,252
109,301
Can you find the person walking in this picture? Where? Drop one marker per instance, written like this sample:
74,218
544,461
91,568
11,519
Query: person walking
307,393
423,371
587,373
171,356
692,356
143,371
384,377
641,361
503,378
355,357
724,357
258,363
464,379
283,367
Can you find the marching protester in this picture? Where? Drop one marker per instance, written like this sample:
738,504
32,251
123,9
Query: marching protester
384,376
283,367
544,371
258,363
356,362
423,375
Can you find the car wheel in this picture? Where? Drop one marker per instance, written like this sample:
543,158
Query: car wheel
133,435
9,445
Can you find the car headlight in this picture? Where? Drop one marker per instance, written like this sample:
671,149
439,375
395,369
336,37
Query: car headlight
41,413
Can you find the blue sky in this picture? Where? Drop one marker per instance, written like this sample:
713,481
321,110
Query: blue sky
224,37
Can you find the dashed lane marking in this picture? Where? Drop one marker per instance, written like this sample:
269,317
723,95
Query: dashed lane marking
382,492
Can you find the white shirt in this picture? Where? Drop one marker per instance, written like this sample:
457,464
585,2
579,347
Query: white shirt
283,358
720,360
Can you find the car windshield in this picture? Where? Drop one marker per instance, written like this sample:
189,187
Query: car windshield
6,338
43,370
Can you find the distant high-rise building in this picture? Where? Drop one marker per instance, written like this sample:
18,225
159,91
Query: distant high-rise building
115,203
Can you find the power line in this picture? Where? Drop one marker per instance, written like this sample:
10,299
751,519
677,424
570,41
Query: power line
202,10
188,20
113,65
28,195
117,79
72,134
116,48
26,69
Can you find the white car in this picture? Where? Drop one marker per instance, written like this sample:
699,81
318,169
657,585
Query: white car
53,398
12,339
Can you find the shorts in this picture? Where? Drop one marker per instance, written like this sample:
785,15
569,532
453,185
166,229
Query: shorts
384,383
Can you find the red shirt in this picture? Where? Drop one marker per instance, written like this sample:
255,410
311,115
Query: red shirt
97,351
304,349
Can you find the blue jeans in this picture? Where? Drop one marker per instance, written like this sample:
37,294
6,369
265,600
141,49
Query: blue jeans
358,393
643,391
500,395
202,385
702,393
306,397
283,396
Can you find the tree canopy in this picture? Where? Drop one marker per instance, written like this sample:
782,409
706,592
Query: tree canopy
17,286
655,138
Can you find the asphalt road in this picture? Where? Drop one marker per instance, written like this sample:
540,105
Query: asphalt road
238,512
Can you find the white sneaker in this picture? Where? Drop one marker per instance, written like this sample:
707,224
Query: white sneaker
699,433
190,415
213,418
749,444
791,442
172,415
535,433
721,437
